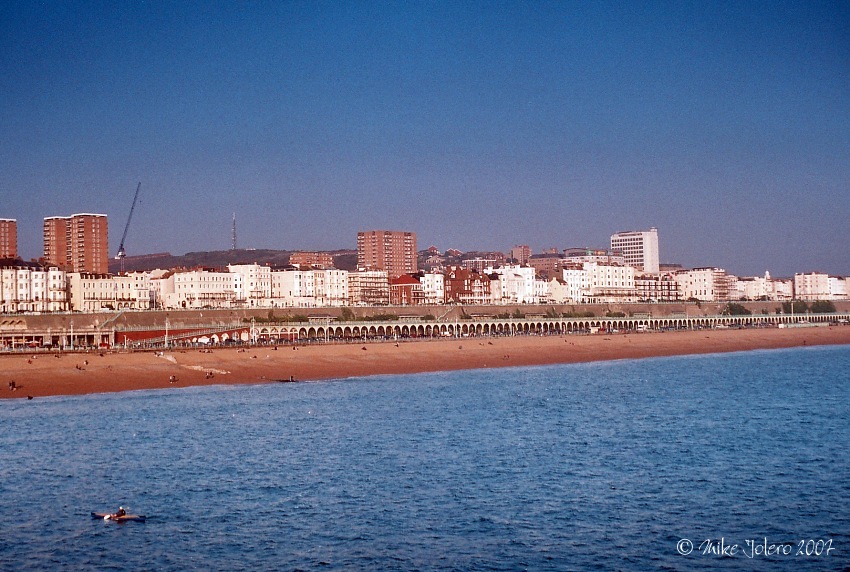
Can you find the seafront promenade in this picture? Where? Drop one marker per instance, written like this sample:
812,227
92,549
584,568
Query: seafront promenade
41,373
156,329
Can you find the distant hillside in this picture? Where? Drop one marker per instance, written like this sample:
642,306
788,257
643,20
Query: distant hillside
221,258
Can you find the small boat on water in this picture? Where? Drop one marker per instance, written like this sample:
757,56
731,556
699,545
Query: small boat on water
117,518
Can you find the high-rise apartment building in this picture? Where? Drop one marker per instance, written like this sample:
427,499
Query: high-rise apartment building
8,238
639,248
392,251
77,243
521,253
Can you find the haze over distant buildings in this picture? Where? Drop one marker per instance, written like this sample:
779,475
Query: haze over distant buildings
479,126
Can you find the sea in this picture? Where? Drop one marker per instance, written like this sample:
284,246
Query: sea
735,461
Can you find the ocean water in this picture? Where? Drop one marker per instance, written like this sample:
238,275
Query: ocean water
620,465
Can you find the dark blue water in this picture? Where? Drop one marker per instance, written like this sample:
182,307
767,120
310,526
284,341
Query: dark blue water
605,466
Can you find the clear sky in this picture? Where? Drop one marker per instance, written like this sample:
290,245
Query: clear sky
476,125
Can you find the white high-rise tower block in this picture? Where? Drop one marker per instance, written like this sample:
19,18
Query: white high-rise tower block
639,248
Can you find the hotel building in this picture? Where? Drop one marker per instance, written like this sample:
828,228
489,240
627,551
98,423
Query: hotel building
8,238
705,284
77,243
388,250
639,248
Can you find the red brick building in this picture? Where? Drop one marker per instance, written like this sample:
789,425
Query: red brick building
388,250
316,259
467,286
406,290
77,243
8,238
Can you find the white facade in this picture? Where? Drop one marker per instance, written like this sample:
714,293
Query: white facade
253,284
33,289
559,292
639,248
369,288
704,284
105,292
659,287
838,288
608,283
764,288
199,289
812,286
516,285
293,288
754,288
433,287
576,284
783,289
595,283
331,287
541,290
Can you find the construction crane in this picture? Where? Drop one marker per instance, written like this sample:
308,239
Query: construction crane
121,252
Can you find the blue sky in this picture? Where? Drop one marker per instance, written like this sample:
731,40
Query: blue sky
476,125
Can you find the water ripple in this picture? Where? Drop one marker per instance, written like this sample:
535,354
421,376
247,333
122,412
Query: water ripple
583,467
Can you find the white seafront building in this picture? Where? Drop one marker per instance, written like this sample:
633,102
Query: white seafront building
92,292
197,289
591,282
330,287
514,284
369,288
30,287
705,284
433,287
639,248
811,286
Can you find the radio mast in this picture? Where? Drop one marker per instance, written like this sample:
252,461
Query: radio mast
233,235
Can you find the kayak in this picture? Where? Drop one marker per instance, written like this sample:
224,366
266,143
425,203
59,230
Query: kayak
125,518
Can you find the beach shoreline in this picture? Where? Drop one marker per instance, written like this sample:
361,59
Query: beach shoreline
50,374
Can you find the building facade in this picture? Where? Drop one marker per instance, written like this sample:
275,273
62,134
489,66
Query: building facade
546,265
199,288
433,287
77,243
369,288
598,255
661,287
520,254
252,282
467,286
406,291
516,285
91,292
391,251
30,287
639,248
315,259
812,286
293,287
8,238
705,284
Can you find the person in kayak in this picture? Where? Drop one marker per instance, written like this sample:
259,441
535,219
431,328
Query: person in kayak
121,512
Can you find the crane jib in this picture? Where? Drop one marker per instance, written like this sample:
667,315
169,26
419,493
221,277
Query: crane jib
121,252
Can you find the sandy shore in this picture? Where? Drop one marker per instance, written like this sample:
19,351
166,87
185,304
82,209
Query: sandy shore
70,374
